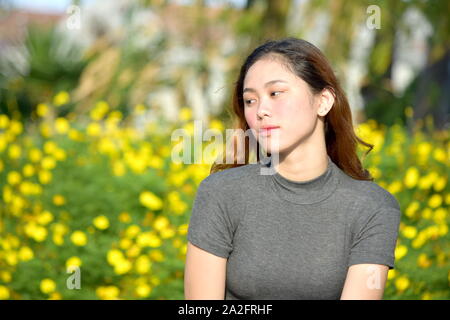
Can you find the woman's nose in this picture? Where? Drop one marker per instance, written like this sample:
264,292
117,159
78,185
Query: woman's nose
263,110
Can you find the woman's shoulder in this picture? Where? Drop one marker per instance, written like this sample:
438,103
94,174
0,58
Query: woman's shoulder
231,178
369,192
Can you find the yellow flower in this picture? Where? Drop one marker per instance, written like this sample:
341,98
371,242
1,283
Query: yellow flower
149,239
435,201
61,98
440,215
59,200
37,232
79,238
426,213
59,154
55,296
45,176
216,124
50,147
168,233
48,286
427,296
35,155
14,151
424,148
122,266
25,254
410,232
93,129
139,109
28,170
4,293
46,130
101,222
73,261
440,155
14,178
411,177
185,114
124,217
391,274
16,127
143,265
48,163
11,258
143,290
58,239
114,256
62,126
132,231
45,217
4,121
440,184
443,230
183,229
423,261
402,283
400,251
41,109
412,209
160,223
107,292
125,243
134,251
119,168
99,111
419,241
75,135
156,162
156,255
395,187
150,200
6,277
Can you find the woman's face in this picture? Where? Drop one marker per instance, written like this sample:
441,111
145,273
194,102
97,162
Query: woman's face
274,96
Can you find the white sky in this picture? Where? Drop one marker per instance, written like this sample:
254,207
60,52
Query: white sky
61,5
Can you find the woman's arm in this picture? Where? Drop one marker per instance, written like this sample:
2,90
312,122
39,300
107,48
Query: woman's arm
365,282
204,275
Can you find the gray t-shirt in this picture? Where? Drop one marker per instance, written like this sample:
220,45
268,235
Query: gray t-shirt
286,239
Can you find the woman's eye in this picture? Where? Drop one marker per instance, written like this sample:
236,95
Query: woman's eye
249,101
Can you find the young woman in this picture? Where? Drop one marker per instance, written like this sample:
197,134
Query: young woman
319,227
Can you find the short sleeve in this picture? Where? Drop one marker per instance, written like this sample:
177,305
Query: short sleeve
210,227
376,238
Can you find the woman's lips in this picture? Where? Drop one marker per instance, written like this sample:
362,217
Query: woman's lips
267,131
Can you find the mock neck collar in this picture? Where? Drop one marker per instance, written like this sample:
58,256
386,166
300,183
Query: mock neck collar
304,192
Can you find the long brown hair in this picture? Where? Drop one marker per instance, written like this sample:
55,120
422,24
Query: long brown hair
307,62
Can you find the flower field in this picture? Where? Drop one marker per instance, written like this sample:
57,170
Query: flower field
103,197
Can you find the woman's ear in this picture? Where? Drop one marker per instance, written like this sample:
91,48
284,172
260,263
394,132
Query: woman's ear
326,102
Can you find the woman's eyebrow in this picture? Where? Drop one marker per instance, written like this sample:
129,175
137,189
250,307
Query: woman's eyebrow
265,85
